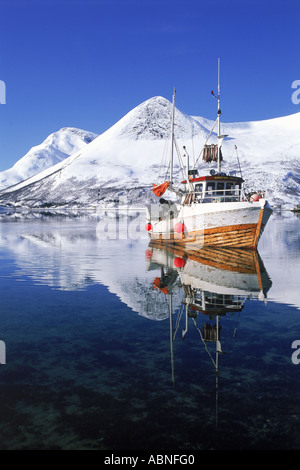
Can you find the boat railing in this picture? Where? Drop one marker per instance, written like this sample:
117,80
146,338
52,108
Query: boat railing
226,195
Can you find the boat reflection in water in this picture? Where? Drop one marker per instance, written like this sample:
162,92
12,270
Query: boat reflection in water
214,282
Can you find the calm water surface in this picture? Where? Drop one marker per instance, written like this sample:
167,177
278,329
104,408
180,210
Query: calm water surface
92,358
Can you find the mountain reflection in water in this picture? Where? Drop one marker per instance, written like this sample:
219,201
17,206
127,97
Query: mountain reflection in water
116,344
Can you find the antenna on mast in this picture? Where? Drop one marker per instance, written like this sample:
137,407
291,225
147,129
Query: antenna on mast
219,124
220,138
172,145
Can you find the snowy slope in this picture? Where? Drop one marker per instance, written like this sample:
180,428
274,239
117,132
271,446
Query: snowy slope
127,159
54,149
269,155
263,140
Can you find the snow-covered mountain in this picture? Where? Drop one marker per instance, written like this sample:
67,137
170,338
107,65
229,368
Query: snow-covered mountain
124,162
54,149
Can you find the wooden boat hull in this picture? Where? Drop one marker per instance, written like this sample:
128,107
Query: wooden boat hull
238,225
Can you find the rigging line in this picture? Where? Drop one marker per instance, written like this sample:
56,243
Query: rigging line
237,156
193,145
206,141
164,160
179,316
236,327
163,163
179,157
167,172
205,345
164,154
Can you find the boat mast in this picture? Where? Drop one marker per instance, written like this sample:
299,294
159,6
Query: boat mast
172,146
219,124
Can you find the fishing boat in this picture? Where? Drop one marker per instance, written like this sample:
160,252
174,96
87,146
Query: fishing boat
211,209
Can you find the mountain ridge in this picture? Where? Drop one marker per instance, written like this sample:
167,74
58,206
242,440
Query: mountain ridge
54,149
127,159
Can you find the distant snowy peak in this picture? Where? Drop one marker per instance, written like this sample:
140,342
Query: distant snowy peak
69,138
55,148
151,120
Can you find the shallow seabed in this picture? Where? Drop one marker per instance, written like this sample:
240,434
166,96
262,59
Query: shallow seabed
93,361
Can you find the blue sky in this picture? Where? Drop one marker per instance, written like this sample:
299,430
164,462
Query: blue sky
87,63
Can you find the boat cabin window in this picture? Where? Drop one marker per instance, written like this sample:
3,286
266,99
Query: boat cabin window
220,188
199,188
237,189
229,188
210,188
199,191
